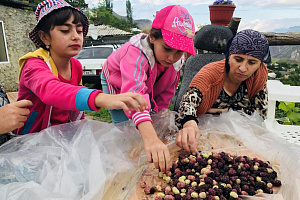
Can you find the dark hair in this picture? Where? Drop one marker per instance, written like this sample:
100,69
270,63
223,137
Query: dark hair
227,66
57,18
156,33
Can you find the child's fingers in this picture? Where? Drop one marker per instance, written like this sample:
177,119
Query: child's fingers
167,159
148,156
162,161
155,159
142,102
140,99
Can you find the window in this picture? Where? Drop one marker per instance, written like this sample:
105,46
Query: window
94,53
3,47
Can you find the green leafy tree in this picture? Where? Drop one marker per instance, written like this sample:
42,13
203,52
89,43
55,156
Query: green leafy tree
101,15
77,3
129,12
109,5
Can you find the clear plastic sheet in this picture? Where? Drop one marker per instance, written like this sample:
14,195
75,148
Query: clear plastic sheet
70,161
249,136
239,134
94,160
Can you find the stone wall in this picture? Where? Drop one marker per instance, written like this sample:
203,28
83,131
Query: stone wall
17,25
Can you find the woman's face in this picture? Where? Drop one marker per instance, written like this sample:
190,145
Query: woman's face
165,55
242,67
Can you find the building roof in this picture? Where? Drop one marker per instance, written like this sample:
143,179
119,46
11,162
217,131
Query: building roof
105,30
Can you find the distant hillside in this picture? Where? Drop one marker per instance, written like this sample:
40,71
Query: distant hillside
286,30
286,52
142,23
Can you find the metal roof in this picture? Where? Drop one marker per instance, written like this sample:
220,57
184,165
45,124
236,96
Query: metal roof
105,30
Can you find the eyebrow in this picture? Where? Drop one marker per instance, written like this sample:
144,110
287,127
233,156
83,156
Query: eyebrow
248,59
67,24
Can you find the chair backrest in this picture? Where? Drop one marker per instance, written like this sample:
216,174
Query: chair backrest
210,38
192,67
279,92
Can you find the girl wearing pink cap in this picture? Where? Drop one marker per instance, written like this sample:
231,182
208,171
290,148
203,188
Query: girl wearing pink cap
50,77
149,64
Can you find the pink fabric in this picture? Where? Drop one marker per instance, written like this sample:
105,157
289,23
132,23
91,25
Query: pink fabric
177,27
129,70
44,89
91,101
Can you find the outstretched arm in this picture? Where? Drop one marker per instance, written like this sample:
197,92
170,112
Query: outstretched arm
156,151
125,101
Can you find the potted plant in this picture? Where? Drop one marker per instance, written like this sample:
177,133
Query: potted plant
221,12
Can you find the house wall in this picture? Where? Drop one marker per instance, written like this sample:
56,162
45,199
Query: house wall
17,25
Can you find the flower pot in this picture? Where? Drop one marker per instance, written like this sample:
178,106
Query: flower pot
221,14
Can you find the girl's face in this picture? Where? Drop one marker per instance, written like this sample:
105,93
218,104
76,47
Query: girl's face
65,40
242,67
165,55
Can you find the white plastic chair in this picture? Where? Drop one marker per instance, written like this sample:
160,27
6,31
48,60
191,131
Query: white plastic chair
279,92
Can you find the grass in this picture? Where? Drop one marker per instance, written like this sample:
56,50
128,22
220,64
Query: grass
103,114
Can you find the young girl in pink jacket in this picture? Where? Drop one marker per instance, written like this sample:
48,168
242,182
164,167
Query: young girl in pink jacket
51,78
149,64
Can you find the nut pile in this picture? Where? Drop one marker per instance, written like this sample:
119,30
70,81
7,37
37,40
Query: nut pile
215,176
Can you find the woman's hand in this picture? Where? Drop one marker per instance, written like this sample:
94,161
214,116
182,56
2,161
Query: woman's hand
156,151
14,115
123,101
188,137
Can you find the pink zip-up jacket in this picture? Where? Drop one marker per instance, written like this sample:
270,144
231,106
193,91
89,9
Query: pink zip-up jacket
53,99
133,69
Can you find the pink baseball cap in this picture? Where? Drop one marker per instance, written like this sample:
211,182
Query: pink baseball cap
177,27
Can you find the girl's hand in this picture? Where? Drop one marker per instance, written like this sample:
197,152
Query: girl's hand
13,116
156,151
123,101
188,137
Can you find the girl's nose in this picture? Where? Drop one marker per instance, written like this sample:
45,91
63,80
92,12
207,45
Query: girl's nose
172,57
75,35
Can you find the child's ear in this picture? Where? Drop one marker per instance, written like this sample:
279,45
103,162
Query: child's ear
151,39
45,38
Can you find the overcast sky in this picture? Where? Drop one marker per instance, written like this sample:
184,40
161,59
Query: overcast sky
261,15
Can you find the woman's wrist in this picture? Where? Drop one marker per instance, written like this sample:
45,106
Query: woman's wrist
190,123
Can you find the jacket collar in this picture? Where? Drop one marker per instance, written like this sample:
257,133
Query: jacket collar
141,41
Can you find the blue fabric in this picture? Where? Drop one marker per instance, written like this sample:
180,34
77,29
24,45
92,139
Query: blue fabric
29,122
117,115
81,99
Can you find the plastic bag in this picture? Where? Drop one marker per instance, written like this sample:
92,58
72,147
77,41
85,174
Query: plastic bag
70,161
248,134
238,134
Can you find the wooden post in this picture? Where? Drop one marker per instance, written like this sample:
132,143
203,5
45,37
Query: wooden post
234,24
276,39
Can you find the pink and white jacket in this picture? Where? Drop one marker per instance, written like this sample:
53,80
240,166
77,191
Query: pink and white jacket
55,99
133,69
